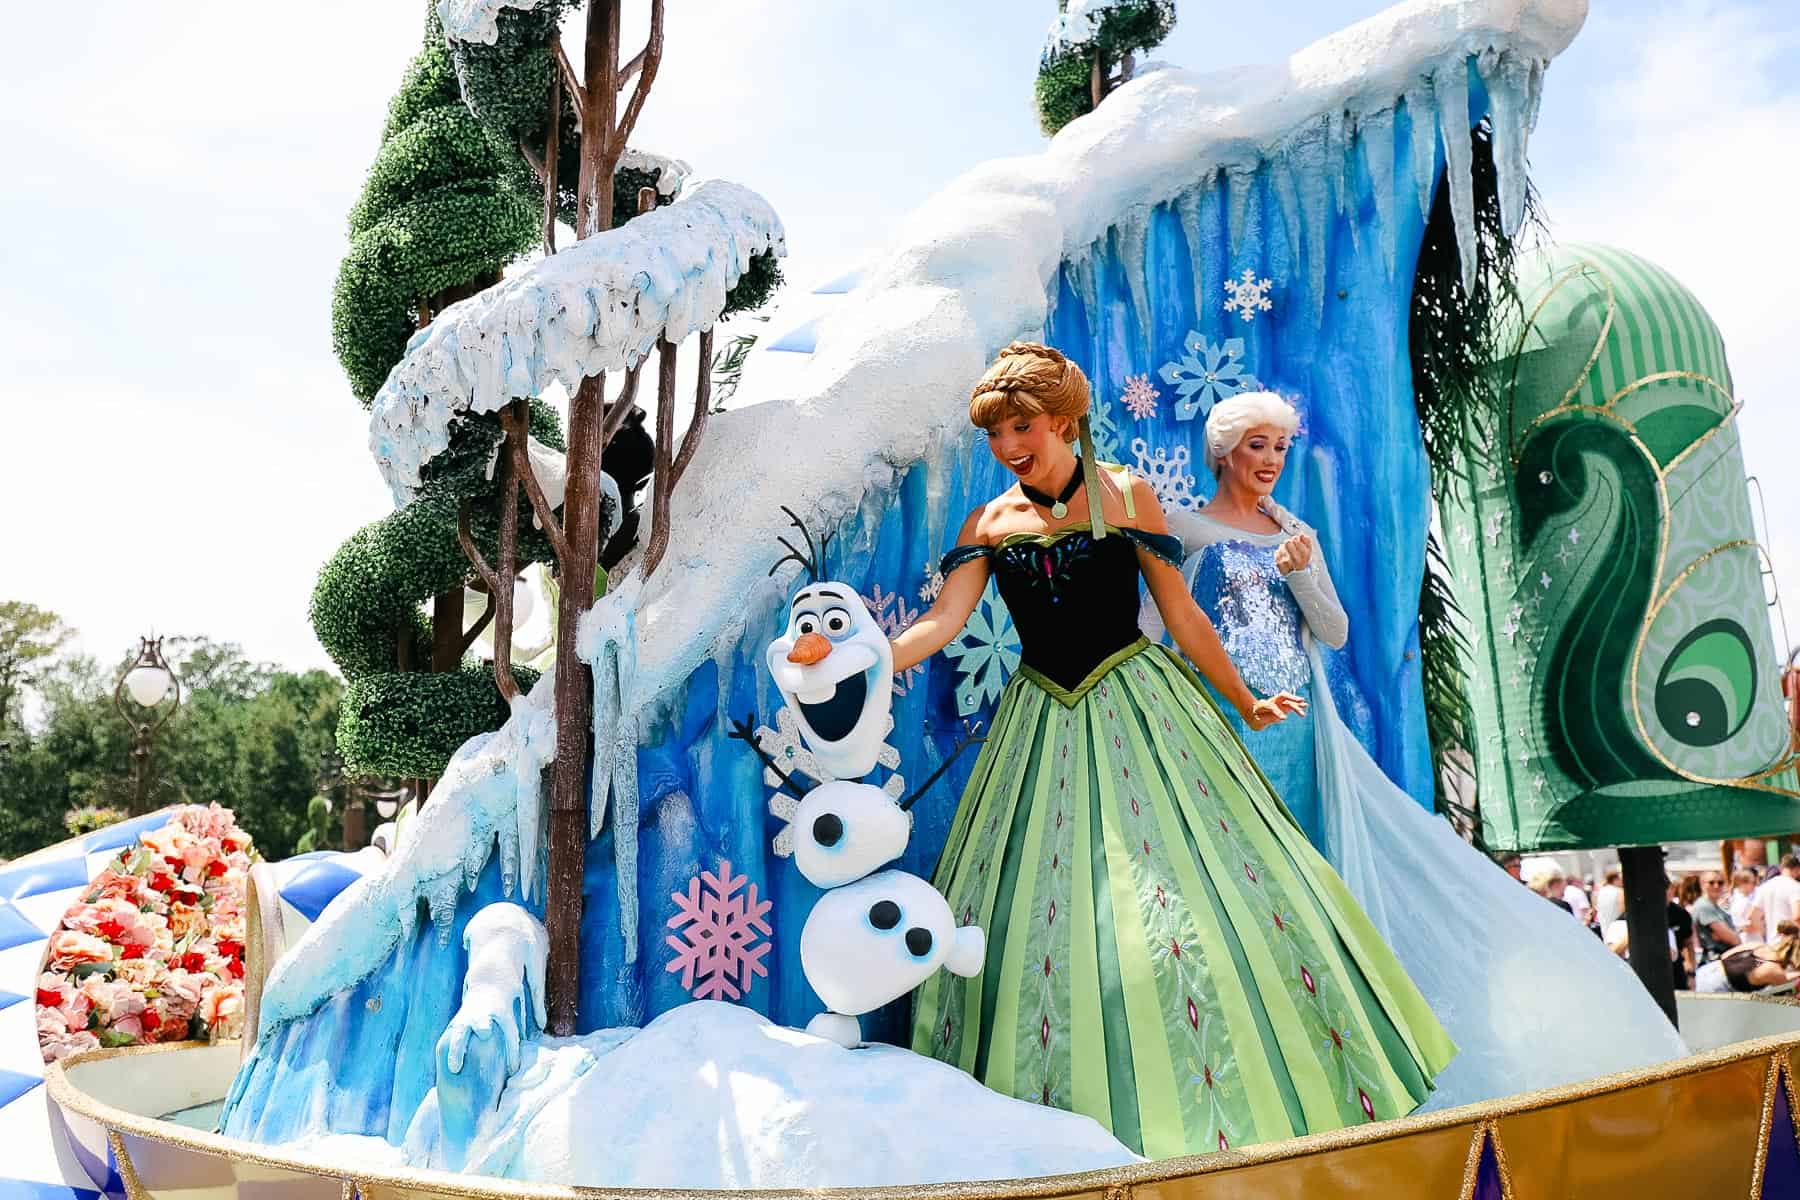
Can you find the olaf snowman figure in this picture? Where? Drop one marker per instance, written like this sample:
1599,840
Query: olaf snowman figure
875,935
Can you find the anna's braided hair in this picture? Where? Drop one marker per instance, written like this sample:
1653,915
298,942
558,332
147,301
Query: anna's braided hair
1029,378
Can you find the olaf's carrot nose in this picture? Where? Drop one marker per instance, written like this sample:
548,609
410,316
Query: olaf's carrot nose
808,649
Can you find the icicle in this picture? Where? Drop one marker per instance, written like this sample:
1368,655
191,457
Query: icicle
1131,238
1452,89
1082,276
1239,183
1287,199
1421,112
1508,87
440,898
1187,208
1340,142
625,855
1377,134
1308,170
1534,94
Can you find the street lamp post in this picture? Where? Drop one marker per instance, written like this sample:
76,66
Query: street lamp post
148,681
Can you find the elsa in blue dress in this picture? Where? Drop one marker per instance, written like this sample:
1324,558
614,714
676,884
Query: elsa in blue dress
1531,997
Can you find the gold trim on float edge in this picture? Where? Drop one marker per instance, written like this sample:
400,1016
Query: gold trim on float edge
444,1183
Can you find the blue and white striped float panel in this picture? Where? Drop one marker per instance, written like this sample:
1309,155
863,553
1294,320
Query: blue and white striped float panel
42,1160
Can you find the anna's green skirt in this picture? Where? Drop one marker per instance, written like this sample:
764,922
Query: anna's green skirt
1166,952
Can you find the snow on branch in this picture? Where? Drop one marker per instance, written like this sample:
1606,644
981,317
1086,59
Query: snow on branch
476,20
600,305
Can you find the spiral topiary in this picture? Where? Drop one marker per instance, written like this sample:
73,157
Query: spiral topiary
438,218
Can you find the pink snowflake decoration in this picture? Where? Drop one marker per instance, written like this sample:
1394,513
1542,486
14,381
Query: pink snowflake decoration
1140,396
718,944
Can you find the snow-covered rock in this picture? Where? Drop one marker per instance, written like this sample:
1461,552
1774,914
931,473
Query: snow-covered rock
713,1095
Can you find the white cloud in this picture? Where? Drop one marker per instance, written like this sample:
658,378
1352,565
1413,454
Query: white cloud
1685,154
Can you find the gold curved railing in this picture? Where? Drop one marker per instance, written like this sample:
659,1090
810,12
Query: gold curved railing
1697,1126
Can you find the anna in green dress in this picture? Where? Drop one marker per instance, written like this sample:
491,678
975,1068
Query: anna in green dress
1166,952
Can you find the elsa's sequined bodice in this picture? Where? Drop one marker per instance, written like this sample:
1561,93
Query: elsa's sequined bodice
1239,587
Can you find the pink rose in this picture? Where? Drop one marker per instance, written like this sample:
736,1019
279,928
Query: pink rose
63,1045
222,1008
130,1026
110,885
185,985
114,1001
70,948
52,1023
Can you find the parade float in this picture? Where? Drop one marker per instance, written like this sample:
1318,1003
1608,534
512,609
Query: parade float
1332,228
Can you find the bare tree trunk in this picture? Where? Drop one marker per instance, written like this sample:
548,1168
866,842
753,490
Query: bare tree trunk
603,136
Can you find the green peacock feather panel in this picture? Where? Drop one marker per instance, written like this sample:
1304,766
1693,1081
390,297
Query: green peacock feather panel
1623,674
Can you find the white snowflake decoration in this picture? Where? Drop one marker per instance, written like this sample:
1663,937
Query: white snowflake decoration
1206,374
892,613
1139,397
1249,295
1167,475
986,653
719,948
933,586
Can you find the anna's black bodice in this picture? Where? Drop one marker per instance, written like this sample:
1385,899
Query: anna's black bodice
1072,597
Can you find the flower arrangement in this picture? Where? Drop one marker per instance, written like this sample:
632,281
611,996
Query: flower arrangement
154,949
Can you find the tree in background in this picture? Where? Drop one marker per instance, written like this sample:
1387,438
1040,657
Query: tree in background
438,219
1091,50
248,736
29,637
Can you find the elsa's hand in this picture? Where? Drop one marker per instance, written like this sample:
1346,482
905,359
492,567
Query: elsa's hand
1276,708
1295,554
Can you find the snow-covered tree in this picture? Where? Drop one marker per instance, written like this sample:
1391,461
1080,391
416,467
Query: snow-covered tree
1092,49
571,129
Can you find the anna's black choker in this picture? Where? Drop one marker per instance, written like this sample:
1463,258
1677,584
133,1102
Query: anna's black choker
1058,505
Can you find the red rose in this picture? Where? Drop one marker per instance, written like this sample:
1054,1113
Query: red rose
150,1020
229,846
193,960
48,998
176,862
135,950
216,867
230,949
110,929
160,882
236,967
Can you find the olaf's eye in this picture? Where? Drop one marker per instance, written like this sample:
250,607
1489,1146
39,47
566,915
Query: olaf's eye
806,623
837,621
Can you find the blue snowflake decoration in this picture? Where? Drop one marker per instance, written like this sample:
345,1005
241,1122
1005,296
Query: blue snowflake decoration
1108,442
986,653
1207,374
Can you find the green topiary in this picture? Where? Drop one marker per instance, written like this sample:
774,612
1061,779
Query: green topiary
410,724
436,215
438,218
1064,88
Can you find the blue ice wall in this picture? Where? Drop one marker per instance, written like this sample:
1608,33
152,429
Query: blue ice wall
1153,293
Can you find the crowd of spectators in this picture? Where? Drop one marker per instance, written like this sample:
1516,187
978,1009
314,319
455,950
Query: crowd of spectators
1736,932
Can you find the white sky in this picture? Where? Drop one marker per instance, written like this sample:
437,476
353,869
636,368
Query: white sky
181,451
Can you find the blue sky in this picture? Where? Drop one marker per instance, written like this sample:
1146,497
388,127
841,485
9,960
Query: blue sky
184,453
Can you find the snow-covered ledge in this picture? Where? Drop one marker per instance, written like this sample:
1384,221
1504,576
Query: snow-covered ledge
599,305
